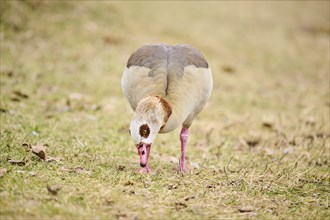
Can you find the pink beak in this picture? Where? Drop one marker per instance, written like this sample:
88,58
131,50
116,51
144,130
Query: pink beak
143,150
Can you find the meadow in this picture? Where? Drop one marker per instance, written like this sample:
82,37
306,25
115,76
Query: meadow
259,150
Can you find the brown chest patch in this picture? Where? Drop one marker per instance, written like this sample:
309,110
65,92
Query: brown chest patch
144,131
166,107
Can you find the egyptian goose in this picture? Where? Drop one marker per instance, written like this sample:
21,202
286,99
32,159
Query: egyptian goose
166,86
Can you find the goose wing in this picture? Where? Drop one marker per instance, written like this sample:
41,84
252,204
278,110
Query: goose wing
145,73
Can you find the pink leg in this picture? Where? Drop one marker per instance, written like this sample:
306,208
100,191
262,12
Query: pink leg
184,140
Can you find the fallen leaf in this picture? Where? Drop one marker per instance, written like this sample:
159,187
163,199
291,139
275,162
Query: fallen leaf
268,123
174,160
53,189
81,170
21,94
310,120
35,133
128,183
172,186
293,142
17,162
246,209
39,150
95,107
121,167
14,99
121,215
195,165
316,30
31,173
53,159
318,162
112,39
180,205
252,139
27,145
268,151
2,172
8,73
287,150
188,198
109,202
65,169
228,69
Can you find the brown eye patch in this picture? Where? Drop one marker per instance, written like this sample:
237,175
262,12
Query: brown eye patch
144,130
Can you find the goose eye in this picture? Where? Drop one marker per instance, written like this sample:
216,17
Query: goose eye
144,131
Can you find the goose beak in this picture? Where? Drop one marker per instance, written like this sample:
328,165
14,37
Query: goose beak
143,150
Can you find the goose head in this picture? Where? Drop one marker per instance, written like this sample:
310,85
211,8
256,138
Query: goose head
150,115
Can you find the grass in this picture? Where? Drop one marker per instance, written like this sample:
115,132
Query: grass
260,149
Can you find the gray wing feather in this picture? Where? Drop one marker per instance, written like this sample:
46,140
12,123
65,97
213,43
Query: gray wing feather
180,56
154,56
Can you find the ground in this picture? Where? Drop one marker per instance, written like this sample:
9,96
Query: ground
259,149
